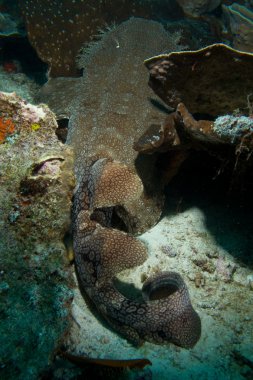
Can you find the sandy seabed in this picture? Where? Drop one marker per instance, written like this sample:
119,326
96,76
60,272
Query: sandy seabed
199,243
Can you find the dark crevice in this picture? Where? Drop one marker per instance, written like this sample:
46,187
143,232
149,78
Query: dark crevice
223,194
19,49
62,130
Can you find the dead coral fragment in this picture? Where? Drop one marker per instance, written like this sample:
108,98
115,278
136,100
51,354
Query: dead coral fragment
83,361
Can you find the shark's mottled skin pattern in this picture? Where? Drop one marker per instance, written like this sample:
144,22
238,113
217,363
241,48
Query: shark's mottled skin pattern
108,109
101,252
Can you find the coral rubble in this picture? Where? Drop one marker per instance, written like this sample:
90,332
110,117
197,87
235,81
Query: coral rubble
36,180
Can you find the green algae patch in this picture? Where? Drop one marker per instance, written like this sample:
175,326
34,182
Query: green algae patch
36,182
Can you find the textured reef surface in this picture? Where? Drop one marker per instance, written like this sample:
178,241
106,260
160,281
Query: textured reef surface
36,185
223,124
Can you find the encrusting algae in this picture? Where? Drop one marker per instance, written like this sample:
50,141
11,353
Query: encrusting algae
7,128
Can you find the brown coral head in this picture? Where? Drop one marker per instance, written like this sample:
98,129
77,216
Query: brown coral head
214,80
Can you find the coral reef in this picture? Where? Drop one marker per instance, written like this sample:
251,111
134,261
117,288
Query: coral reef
240,23
58,29
225,134
196,8
11,8
207,239
219,79
227,137
218,88
18,82
36,179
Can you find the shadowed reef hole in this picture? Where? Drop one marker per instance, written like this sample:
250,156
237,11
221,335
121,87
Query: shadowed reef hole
223,195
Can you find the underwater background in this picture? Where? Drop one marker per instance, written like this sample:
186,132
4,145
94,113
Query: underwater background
126,132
